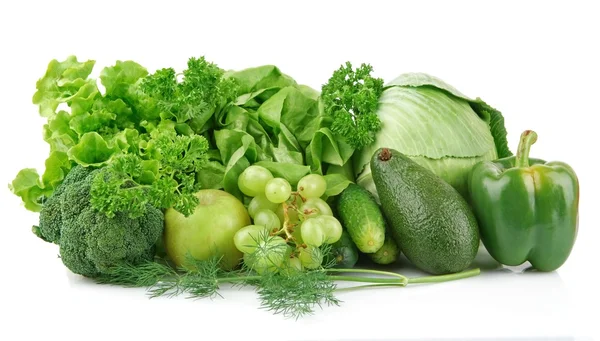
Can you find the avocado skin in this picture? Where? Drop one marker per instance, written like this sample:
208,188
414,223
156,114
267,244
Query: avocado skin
431,222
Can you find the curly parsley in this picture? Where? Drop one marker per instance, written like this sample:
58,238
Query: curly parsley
350,97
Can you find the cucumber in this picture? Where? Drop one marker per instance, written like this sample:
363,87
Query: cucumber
388,253
343,252
360,214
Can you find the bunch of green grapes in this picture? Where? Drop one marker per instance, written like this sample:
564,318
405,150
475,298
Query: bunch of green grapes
289,227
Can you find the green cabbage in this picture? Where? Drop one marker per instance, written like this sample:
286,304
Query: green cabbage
436,126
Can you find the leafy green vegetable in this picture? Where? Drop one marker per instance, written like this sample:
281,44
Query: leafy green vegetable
27,186
167,179
201,92
351,98
271,122
63,82
336,183
325,148
436,126
117,80
92,150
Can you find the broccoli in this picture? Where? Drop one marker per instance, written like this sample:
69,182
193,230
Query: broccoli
90,242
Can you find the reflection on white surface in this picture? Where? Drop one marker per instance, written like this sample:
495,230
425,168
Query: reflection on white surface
506,302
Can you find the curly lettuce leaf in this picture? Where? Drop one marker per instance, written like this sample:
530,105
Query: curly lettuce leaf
92,150
119,78
60,83
33,189
57,167
83,100
58,133
27,186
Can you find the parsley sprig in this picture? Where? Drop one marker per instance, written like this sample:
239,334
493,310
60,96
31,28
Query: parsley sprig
166,179
194,94
350,97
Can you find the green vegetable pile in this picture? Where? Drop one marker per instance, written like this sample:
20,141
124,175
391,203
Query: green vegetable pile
184,181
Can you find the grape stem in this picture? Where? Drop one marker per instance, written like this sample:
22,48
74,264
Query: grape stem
286,223
294,194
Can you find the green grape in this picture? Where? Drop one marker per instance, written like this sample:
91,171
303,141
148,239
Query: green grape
267,219
278,190
311,257
331,227
261,203
294,263
270,257
312,232
312,186
313,207
246,239
253,180
291,266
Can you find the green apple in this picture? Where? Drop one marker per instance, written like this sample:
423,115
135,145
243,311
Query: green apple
207,232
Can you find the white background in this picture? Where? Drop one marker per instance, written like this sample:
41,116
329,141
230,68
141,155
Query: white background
536,61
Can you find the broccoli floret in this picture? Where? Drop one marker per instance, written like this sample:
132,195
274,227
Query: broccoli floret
51,214
90,242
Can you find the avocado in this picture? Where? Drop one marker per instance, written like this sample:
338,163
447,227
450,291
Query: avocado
430,221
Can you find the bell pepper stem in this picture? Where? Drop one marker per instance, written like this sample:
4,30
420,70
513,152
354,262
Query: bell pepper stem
528,138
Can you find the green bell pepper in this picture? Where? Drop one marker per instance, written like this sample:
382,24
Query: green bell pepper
527,209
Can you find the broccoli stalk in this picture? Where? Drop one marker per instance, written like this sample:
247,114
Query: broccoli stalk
90,242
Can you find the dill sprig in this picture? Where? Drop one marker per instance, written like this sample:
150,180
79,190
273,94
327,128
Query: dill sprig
198,279
297,294
146,274
292,294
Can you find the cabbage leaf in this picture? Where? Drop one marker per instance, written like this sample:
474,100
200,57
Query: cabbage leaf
436,126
